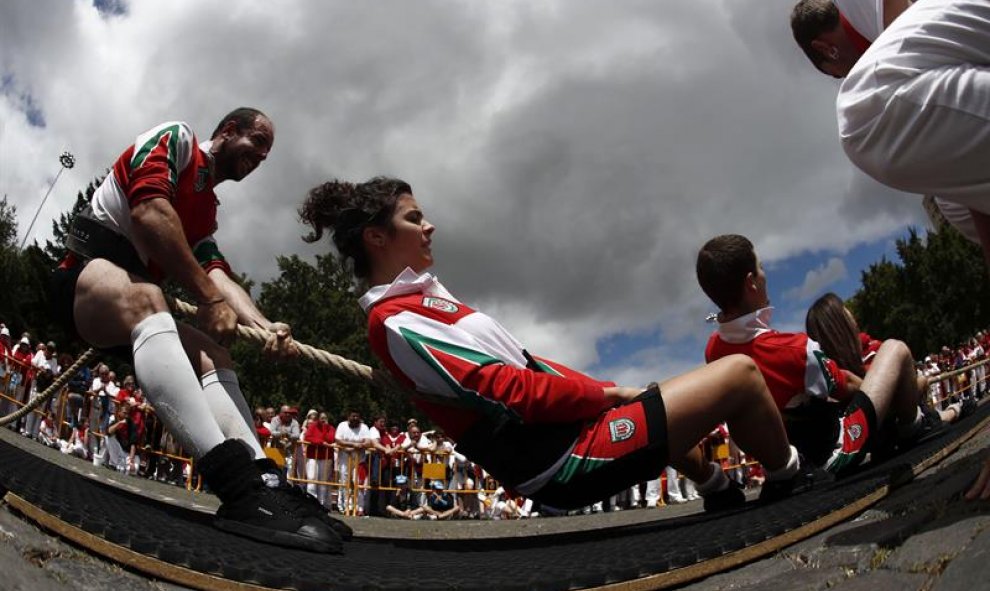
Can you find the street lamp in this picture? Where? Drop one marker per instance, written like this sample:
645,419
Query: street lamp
65,160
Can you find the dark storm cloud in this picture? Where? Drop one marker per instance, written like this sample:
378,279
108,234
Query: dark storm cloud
574,155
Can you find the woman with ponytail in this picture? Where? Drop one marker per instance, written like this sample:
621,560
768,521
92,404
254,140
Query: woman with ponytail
544,430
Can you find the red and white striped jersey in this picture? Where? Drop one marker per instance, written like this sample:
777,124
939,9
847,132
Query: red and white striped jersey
793,365
466,364
165,162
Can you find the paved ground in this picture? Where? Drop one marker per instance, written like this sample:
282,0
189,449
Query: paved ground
921,537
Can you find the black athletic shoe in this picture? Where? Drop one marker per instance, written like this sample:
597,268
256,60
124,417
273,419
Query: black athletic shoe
731,497
969,406
807,477
265,516
931,426
250,509
312,505
302,500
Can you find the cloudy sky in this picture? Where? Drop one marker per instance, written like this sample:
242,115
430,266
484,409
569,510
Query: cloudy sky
573,154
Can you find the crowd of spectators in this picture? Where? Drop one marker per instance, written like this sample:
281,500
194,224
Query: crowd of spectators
385,468
96,417
961,384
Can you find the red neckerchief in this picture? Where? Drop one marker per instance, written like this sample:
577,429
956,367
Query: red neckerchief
858,40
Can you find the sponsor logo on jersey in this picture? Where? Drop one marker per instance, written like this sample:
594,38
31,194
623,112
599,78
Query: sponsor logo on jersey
621,429
202,175
439,304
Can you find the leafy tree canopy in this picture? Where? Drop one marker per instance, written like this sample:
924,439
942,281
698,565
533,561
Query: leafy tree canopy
935,296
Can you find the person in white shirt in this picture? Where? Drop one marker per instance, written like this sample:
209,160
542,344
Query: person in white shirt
912,111
45,370
835,34
352,438
413,464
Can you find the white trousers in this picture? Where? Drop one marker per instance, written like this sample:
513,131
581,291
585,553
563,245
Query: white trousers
914,111
317,470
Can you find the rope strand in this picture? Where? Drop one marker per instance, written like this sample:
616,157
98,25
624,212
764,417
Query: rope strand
341,364
60,381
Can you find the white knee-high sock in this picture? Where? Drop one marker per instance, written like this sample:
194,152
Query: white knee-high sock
788,470
717,482
230,410
169,381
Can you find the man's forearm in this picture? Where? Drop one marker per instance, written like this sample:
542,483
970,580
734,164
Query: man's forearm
159,234
237,298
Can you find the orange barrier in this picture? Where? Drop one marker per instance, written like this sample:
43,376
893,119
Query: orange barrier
365,471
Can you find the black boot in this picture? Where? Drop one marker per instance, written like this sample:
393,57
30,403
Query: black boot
251,509
275,479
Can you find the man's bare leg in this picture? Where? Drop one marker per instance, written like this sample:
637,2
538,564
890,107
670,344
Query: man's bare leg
113,308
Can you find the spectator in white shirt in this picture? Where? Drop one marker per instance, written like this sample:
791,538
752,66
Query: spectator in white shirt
352,438
45,370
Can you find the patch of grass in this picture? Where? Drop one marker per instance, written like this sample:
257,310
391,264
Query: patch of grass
879,557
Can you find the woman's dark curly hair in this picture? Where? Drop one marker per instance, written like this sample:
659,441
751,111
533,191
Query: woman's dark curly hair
346,209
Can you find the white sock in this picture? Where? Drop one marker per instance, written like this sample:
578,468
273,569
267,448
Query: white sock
223,393
955,407
789,470
718,481
168,379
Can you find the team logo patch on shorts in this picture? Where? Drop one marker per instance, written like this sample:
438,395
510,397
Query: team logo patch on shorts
440,304
621,429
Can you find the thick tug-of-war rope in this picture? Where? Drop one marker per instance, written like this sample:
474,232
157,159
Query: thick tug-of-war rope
60,381
341,364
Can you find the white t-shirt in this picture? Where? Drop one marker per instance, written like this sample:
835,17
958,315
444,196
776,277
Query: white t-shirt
412,448
353,435
866,16
111,389
42,361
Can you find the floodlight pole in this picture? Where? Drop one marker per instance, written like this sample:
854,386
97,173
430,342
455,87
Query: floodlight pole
65,160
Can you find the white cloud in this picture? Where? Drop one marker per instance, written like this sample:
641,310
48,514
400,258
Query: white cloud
817,280
574,155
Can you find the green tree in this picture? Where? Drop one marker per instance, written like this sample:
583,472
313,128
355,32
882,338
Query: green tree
936,295
11,270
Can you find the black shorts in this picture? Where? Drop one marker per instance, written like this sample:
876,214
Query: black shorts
625,446
62,295
833,435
